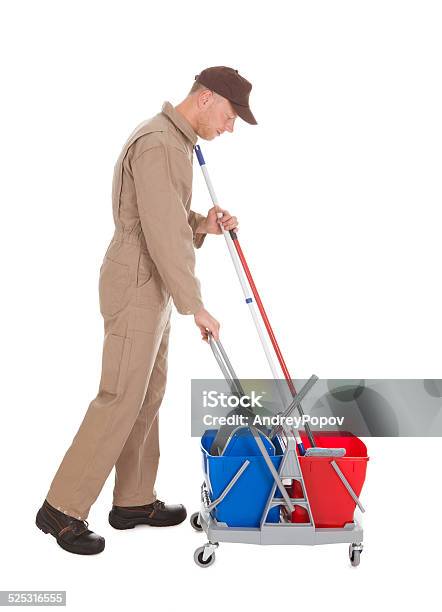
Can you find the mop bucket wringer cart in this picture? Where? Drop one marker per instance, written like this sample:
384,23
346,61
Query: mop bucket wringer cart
279,486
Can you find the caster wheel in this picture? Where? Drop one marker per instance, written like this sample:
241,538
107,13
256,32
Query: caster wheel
195,521
354,555
198,558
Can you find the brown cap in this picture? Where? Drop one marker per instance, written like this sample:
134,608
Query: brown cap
228,83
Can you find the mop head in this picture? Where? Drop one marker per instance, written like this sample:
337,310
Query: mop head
325,452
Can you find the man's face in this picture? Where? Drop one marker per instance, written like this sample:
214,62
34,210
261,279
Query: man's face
216,115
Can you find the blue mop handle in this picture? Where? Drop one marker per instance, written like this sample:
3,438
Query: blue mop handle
202,163
199,155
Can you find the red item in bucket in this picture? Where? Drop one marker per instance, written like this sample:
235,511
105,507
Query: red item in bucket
300,514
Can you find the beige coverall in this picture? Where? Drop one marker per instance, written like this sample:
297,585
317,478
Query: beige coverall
150,261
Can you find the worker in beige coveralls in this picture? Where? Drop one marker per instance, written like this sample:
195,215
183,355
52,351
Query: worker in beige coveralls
149,263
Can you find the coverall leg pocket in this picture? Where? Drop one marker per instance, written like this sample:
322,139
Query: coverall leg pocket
113,284
116,351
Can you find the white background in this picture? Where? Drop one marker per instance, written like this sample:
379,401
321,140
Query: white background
338,194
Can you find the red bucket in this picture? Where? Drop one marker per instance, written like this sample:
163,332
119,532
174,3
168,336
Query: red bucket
330,502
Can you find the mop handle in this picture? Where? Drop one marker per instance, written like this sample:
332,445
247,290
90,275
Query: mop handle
237,253
225,365
246,290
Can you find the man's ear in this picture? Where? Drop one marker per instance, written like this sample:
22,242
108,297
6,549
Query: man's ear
205,99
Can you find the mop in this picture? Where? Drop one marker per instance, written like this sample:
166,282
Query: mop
236,254
248,284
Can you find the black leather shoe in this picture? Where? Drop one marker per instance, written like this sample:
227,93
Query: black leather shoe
71,534
157,514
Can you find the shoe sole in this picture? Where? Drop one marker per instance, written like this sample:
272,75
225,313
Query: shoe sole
117,522
46,528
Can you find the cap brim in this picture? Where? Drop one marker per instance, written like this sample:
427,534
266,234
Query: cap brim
245,113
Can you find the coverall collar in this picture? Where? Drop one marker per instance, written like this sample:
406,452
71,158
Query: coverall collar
180,122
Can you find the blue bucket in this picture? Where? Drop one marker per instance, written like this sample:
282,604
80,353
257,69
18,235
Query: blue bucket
244,505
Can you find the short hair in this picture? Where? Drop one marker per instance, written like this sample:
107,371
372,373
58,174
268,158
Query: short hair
197,86
200,87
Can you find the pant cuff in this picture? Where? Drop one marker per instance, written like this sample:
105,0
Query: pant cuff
66,509
127,503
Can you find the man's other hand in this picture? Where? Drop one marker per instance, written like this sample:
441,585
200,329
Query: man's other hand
213,224
206,324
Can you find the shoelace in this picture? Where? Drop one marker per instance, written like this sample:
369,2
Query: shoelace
77,527
158,504
83,524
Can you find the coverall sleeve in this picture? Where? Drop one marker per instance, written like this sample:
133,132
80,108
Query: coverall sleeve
194,220
165,225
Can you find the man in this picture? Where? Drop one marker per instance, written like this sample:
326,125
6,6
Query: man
149,263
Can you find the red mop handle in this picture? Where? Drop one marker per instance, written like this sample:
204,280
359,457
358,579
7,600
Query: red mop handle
269,328
263,313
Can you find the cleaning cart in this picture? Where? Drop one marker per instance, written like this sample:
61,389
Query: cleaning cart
279,486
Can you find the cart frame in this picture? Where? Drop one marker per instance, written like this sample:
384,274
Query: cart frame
273,533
